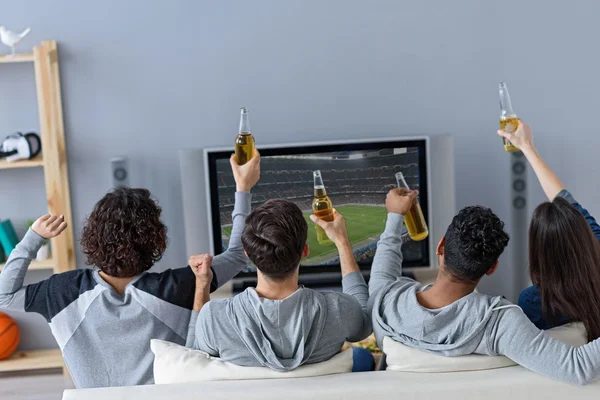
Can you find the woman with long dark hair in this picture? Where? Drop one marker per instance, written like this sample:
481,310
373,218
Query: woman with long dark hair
564,252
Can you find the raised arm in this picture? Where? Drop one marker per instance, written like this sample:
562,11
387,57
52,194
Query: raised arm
523,139
12,291
387,264
354,306
517,338
228,264
201,266
551,183
588,217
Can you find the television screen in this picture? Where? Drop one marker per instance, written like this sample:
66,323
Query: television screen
357,178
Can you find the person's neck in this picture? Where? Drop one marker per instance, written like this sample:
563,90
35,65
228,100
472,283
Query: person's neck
119,284
444,292
276,290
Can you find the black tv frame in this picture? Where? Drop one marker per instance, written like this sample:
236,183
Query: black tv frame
421,144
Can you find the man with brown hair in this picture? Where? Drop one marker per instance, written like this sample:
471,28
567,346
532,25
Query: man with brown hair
278,324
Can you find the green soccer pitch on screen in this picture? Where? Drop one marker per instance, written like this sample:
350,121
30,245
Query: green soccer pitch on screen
357,181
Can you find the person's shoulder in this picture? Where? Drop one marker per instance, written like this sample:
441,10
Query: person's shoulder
505,313
334,301
52,296
75,281
184,274
219,304
175,286
399,287
215,316
215,307
405,281
319,296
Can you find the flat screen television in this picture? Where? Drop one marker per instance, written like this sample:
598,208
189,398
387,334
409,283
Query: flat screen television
357,177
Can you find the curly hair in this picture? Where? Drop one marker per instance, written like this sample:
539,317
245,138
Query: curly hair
274,238
474,241
124,235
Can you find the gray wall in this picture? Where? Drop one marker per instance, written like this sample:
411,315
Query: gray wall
144,79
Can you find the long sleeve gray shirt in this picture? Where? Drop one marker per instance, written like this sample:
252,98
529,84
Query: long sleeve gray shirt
304,328
104,336
475,324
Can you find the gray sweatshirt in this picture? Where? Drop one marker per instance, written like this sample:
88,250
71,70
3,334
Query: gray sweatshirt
306,327
104,336
475,324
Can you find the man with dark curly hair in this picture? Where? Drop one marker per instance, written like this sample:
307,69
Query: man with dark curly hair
449,318
104,318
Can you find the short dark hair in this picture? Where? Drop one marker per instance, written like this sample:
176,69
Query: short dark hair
274,238
474,241
124,236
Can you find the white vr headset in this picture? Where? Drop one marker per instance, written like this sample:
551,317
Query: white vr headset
21,147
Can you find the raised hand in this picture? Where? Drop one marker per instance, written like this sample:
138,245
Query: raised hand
247,175
200,265
335,230
49,226
522,137
399,200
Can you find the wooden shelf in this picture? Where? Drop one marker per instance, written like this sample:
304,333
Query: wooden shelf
18,58
33,360
38,265
37,161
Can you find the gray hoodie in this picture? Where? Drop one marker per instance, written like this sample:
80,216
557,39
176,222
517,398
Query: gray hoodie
474,324
306,327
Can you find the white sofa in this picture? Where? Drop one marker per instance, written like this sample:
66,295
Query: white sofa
512,383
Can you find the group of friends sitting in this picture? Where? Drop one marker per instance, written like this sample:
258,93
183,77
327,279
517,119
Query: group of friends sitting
104,318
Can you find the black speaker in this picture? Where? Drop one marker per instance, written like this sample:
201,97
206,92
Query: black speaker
520,220
119,167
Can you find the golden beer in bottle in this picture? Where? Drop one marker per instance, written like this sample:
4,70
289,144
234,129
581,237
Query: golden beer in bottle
244,141
414,219
509,122
322,207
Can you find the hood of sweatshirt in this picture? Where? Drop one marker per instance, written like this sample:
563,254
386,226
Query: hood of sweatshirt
453,330
281,334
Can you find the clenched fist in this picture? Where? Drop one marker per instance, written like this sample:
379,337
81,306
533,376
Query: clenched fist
200,264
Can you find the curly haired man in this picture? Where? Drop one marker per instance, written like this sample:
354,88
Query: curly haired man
103,318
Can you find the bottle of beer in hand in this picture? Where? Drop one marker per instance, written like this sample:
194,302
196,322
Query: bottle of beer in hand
322,207
509,122
414,219
244,141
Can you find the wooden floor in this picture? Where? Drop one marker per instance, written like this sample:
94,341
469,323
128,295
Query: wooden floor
42,386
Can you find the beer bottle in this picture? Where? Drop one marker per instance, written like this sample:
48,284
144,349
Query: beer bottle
322,207
244,141
509,122
414,219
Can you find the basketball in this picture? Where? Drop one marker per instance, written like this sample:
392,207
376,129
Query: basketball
9,336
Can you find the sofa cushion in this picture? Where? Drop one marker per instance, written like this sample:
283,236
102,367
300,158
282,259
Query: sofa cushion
177,364
403,358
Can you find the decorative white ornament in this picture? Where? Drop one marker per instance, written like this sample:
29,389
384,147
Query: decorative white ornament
12,39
